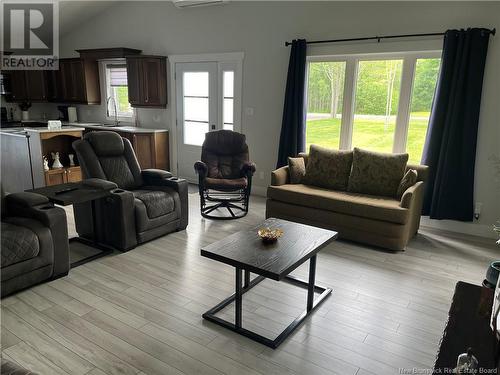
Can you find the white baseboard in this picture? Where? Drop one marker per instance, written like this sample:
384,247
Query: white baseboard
472,229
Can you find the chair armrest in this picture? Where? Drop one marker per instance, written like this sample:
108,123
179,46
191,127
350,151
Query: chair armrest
25,199
411,194
201,168
150,176
180,185
99,183
37,207
248,169
280,176
118,219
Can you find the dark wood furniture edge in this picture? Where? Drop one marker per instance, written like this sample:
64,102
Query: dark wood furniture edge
266,273
442,363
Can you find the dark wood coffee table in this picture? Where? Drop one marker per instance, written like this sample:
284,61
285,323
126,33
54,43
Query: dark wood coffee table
246,252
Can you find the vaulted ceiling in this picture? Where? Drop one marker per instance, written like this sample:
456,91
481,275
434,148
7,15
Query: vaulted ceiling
75,12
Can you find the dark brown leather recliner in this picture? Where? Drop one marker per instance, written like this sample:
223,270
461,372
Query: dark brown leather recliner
34,241
225,174
147,204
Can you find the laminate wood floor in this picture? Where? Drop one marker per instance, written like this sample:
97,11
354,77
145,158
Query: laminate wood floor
140,312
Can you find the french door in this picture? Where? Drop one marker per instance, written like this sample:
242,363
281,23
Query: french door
207,100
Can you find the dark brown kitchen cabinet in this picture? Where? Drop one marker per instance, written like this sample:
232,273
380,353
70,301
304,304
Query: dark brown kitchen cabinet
147,81
18,91
54,86
76,81
36,85
28,86
80,81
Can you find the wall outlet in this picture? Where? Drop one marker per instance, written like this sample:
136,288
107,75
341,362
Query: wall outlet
261,175
249,111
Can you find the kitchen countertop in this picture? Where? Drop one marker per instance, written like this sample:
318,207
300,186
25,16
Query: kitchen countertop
125,129
47,130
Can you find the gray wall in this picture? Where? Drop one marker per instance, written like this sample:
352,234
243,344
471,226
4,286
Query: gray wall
259,29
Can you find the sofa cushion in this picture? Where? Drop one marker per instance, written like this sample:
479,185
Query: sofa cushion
224,152
146,219
157,202
408,180
328,168
106,143
117,170
18,244
226,184
376,173
297,170
373,207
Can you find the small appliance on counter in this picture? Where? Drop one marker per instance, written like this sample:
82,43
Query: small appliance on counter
64,112
72,117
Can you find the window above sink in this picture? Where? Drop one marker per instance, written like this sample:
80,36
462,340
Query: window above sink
115,78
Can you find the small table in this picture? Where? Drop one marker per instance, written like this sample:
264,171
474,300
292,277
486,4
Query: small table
81,192
246,252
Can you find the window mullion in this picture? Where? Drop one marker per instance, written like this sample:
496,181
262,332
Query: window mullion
348,104
403,116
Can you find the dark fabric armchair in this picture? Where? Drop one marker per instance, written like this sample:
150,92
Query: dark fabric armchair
224,174
34,242
147,204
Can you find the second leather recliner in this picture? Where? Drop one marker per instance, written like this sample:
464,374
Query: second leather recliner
147,204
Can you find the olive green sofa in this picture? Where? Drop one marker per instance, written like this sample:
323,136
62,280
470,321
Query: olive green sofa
382,221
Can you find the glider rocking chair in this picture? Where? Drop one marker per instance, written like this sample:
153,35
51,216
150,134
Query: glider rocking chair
225,175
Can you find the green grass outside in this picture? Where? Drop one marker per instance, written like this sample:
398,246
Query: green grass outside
369,134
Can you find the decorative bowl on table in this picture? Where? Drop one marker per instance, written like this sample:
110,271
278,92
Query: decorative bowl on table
269,235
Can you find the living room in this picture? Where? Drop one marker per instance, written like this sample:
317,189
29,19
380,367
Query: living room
388,221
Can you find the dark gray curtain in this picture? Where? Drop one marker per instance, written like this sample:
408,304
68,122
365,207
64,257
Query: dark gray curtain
293,132
450,145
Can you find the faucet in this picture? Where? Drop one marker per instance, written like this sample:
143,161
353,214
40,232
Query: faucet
108,99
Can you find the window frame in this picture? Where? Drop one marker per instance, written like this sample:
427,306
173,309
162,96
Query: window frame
107,89
409,59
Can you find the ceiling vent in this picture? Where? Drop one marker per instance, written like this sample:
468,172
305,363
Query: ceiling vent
197,3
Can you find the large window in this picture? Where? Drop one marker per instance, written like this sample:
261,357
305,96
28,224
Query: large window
377,102
117,89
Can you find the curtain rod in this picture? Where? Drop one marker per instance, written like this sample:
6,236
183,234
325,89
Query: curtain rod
378,38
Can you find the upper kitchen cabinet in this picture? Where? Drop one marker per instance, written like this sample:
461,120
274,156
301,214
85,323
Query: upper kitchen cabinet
80,81
76,81
28,86
147,81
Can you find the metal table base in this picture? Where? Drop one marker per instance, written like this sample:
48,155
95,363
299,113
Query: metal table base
311,304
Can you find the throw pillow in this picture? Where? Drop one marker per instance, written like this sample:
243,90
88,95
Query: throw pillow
297,170
376,173
408,180
328,168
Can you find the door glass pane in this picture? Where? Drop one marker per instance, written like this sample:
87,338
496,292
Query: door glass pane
228,111
194,132
196,84
424,85
325,91
376,104
228,102
196,109
228,79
